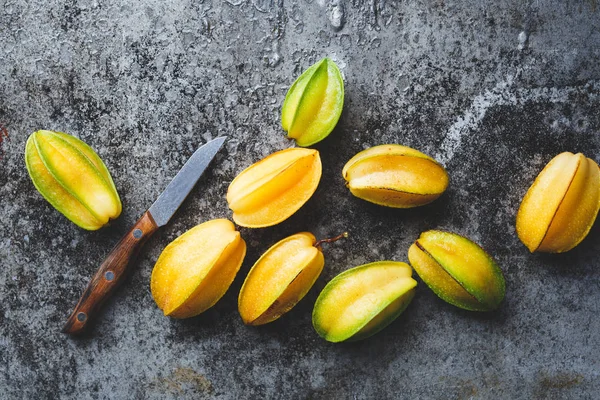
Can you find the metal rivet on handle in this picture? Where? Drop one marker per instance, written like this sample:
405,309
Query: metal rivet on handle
81,317
109,275
137,233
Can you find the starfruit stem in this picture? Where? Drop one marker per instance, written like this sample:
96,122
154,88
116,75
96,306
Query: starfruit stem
331,240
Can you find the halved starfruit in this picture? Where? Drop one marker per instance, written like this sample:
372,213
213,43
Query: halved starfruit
363,300
314,103
395,176
71,177
196,269
271,190
561,206
280,279
458,270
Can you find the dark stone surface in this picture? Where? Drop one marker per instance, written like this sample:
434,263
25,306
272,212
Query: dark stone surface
492,89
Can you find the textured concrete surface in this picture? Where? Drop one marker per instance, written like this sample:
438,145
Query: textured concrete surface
492,89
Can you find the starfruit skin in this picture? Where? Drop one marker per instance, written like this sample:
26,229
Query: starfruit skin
72,178
395,176
561,206
458,270
195,270
271,190
280,279
363,300
313,104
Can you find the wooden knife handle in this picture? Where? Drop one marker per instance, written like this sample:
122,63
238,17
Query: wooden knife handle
110,274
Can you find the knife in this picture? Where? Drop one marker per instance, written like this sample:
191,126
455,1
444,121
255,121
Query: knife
113,268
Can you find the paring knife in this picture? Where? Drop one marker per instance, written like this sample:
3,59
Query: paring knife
113,269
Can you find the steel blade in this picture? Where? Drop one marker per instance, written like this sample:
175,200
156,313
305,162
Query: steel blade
175,193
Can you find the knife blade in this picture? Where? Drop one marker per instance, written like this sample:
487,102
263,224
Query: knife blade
112,270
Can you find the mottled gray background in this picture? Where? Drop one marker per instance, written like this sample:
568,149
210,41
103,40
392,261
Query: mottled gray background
493,89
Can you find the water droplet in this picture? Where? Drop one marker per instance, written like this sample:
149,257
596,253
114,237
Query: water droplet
523,39
323,38
272,58
339,62
232,146
235,3
188,38
345,41
335,13
403,83
262,5
375,42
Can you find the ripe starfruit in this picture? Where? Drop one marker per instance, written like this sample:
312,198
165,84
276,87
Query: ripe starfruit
271,190
395,176
281,278
71,176
458,270
561,206
195,270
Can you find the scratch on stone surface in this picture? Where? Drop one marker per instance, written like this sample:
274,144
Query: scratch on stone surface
503,94
183,380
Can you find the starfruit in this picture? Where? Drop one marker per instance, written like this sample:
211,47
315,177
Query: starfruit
271,190
561,206
313,105
71,177
195,270
458,270
281,278
363,300
395,176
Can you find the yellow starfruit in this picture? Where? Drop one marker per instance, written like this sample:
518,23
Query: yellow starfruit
271,190
195,270
458,270
70,176
281,278
395,176
561,206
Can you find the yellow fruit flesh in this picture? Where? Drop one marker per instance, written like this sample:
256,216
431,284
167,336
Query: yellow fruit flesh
280,278
439,280
190,260
78,176
543,198
263,186
54,193
215,283
271,190
468,264
352,299
577,211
